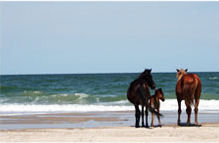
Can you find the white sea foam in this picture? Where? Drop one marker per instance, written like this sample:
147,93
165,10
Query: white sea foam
121,102
81,95
37,92
16,108
204,105
168,105
213,78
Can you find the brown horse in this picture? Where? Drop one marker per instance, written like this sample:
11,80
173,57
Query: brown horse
188,88
138,94
155,103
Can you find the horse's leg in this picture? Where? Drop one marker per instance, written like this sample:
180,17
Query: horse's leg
179,110
146,116
142,114
196,111
137,116
197,99
152,119
188,111
159,118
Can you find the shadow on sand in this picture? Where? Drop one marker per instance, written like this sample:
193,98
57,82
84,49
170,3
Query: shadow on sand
181,125
190,125
150,127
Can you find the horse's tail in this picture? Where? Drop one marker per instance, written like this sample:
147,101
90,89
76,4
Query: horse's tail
152,110
188,93
145,99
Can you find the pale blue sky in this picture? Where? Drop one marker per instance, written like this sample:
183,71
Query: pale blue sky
105,37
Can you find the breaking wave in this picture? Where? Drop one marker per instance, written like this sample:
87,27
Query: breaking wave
168,105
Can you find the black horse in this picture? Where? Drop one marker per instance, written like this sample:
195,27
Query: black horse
138,94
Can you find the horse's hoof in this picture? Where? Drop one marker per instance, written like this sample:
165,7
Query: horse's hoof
198,125
160,126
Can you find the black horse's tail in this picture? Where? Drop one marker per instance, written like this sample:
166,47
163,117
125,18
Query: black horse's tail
145,99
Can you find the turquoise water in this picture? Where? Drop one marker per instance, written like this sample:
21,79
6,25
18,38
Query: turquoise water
89,88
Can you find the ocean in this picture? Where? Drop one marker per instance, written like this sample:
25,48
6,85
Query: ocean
23,94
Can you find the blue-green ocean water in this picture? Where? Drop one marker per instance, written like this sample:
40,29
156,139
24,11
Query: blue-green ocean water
42,94
89,88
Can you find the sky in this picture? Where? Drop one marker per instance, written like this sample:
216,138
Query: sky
108,37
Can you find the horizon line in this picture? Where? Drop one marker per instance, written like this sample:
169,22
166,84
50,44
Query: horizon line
98,73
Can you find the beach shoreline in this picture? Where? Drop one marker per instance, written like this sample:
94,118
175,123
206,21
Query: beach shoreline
115,126
208,132
93,119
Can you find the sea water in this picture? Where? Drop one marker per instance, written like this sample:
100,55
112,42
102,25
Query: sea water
23,94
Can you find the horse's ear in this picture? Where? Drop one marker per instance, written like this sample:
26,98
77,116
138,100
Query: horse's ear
177,70
186,70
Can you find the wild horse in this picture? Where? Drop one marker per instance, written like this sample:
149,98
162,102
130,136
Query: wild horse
188,88
138,94
155,103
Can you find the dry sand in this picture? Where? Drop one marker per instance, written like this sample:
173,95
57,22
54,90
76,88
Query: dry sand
168,133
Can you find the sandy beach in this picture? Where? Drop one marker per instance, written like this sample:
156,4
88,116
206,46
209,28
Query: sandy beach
169,133
103,127
77,71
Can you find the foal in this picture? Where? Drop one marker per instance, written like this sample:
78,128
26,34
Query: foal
155,103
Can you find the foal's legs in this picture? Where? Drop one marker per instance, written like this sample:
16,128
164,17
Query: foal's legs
196,111
188,111
152,119
142,114
137,116
159,118
179,110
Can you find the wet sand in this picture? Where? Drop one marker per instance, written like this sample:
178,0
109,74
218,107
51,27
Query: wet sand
92,119
105,127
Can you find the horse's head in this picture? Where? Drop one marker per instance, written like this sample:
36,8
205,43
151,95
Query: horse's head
180,73
148,77
159,94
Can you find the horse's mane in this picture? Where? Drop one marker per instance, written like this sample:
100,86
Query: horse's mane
144,74
142,77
